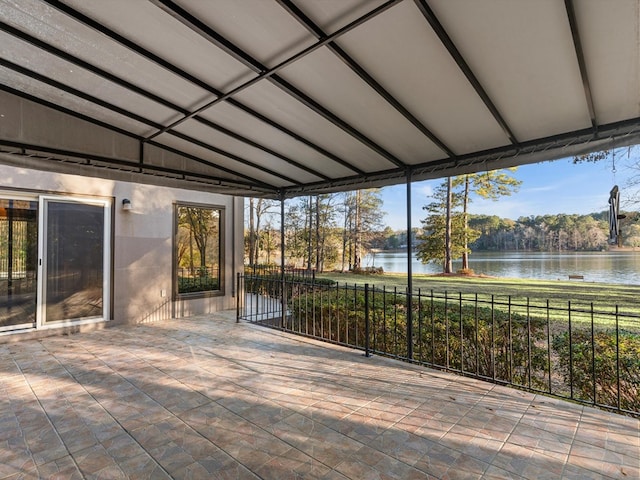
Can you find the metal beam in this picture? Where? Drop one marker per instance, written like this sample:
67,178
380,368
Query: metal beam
251,181
127,85
301,17
462,64
622,133
209,34
117,163
577,44
114,108
80,17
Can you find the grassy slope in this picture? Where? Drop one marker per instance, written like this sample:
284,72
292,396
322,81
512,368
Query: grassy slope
581,294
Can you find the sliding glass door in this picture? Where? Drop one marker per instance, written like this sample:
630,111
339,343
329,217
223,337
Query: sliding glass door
18,262
75,253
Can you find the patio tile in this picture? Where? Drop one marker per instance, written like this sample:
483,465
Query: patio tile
209,398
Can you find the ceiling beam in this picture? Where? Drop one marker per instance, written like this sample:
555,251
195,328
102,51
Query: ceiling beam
249,180
69,11
80,17
312,27
462,64
622,133
577,44
132,116
208,33
85,159
139,118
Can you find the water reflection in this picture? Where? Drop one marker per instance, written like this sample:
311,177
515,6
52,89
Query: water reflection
605,267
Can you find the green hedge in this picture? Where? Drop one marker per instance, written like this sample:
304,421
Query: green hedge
507,348
197,284
602,354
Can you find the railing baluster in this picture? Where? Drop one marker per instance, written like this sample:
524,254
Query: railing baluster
570,351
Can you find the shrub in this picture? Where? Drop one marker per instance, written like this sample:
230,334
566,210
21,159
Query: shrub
368,271
197,284
491,343
582,372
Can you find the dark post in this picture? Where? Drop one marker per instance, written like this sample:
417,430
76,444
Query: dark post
366,321
238,298
409,273
283,306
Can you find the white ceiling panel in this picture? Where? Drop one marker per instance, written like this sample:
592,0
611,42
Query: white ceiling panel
256,130
332,15
269,35
141,21
400,50
80,79
217,159
523,55
276,104
322,75
48,24
613,60
252,154
71,102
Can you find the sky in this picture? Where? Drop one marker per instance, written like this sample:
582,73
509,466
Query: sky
547,188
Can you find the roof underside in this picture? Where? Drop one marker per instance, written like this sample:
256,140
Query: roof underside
289,97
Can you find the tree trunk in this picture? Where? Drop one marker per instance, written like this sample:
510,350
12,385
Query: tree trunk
344,232
357,261
465,204
448,267
318,246
252,232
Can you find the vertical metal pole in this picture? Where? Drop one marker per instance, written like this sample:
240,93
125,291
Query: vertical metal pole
366,321
283,306
238,299
409,273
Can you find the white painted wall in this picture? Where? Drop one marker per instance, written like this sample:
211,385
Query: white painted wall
143,240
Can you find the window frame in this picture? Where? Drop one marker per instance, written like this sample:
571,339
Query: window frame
221,252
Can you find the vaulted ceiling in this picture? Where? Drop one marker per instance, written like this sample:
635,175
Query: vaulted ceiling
289,97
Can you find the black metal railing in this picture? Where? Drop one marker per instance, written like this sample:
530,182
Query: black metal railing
575,351
198,279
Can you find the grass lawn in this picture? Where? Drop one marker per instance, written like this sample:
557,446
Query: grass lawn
581,294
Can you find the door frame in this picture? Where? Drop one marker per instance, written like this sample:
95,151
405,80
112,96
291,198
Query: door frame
106,205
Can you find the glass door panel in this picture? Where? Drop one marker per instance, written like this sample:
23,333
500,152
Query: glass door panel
74,253
18,263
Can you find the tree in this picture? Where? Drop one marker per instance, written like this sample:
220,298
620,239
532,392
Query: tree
490,185
433,246
367,218
257,211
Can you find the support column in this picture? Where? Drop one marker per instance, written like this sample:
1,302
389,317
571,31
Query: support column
409,272
283,306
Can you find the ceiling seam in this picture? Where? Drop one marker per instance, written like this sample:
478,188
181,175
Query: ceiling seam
313,28
209,34
464,67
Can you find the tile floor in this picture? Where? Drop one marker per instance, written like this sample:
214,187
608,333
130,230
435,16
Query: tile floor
209,398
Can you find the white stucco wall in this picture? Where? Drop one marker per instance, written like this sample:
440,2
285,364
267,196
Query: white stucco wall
143,240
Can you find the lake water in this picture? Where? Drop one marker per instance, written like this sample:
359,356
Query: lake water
605,267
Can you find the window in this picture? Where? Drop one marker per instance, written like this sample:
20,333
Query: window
199,249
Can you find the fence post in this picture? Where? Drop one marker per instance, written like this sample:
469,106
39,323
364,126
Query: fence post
366,321
238,299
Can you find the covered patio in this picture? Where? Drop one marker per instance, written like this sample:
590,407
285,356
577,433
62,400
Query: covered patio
207,397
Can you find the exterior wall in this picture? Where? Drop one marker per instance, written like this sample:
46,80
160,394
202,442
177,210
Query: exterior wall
142,248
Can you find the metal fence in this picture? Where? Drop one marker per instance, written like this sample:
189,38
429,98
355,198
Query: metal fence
575,351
